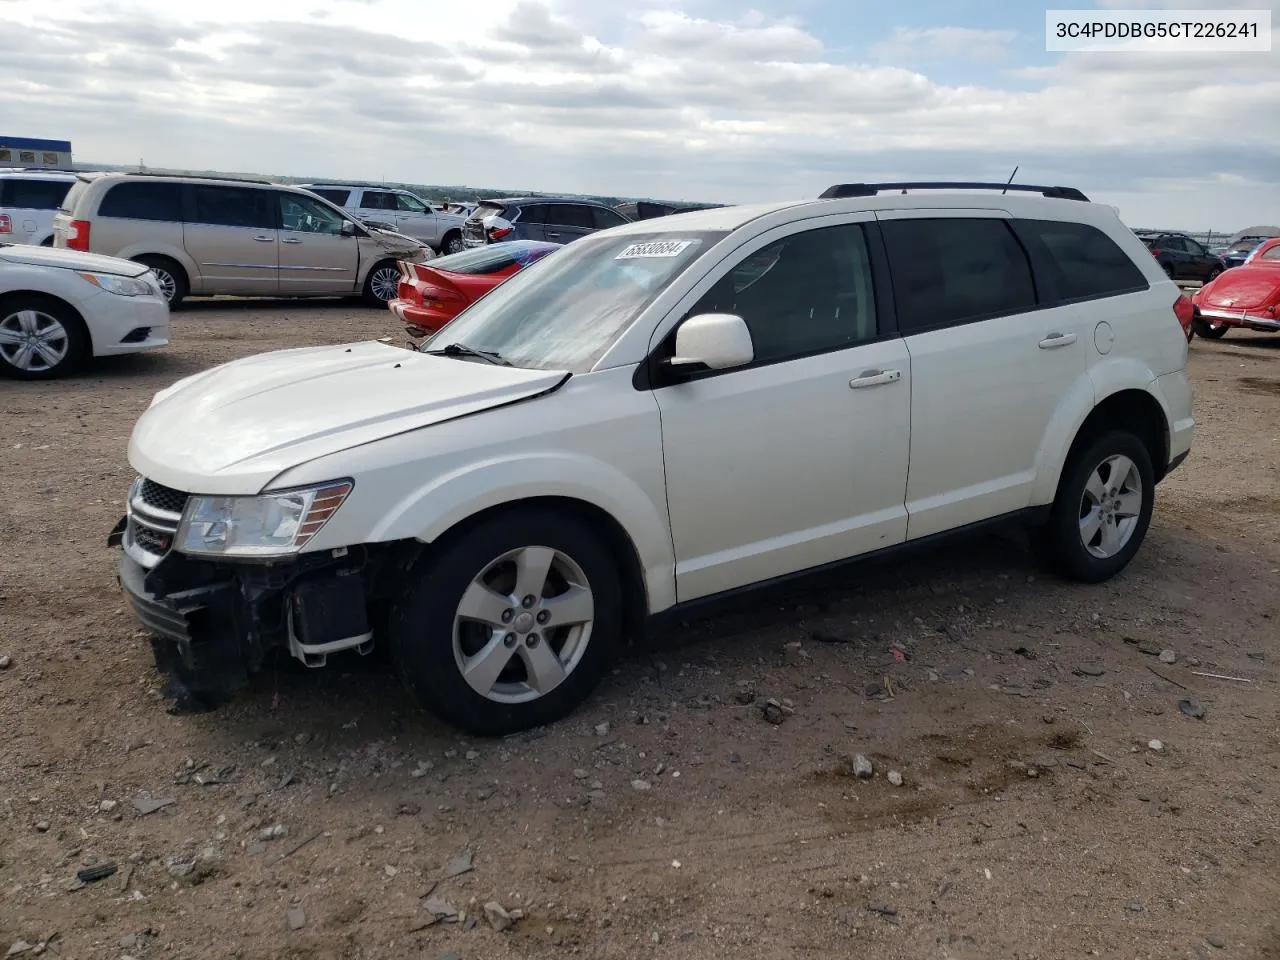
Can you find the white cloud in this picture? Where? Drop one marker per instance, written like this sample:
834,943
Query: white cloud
908,44
519,95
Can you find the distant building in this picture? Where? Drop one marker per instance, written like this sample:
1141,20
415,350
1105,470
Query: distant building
30,152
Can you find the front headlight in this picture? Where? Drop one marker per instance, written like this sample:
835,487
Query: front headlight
270,525
121,286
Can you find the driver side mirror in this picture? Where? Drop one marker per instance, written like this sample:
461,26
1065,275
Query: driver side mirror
711,341
349,229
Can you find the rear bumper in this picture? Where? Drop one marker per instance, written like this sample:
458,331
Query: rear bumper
1240,319
425,317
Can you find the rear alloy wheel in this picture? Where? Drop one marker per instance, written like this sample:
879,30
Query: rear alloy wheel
1102,510
170,277
512,625
40,338
453,243
381,284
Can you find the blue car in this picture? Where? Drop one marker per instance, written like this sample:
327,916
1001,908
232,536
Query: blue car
1239,251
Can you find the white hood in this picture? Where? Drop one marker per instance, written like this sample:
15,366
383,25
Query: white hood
234,428
70,260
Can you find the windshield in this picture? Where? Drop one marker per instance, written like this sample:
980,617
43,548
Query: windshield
565,311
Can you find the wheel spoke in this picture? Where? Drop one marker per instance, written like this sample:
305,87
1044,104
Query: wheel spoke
29,320
576,605
12,336
483,604
22,359
1130,504
544,666
482,670
48,354
1089,525
1095,488
533,564
1112,540
1120,469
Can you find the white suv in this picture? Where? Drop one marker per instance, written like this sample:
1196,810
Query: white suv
400,210
28,201
655,416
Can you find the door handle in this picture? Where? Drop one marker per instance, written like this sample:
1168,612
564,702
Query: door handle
553,234
1054,340
874,378
264,239
290,240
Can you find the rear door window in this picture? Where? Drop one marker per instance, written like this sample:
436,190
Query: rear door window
143,200
33,194
955,270
570,215
333,195
1087,263
233,207
378,200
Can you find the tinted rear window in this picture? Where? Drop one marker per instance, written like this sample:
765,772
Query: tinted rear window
955,270
33,194
139,200
1089,263
490,259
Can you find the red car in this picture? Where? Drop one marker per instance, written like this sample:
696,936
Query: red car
1244,296
431,294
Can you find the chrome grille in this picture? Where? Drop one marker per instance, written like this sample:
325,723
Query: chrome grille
161,497
154,515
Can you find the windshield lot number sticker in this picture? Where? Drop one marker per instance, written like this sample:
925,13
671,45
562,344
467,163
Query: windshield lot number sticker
655,248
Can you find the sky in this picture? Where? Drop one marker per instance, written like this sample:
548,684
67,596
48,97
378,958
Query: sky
704,100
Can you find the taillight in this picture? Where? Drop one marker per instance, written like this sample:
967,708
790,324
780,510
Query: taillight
497,233
1185,311
78,235
1155,251
6,225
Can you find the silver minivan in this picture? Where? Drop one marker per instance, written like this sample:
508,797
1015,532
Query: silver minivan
204,236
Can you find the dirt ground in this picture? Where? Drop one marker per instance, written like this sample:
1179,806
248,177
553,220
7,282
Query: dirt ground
669,818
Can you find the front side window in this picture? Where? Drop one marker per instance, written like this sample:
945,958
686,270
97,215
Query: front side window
570,215
1195,248
407,203
1089,263
303,215
954,270
233,207
143,200
807,293
565,311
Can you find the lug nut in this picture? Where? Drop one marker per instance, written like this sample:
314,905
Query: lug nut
509,640
528,601
531,641
508,615
544,616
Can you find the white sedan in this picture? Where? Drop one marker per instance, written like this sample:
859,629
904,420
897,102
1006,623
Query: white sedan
60,307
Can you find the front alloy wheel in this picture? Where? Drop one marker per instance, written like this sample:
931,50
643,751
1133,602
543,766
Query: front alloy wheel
511,624
40,337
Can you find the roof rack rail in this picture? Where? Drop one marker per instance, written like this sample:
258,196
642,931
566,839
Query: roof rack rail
191,176
840,190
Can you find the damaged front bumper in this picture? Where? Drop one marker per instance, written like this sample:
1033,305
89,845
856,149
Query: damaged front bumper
216,622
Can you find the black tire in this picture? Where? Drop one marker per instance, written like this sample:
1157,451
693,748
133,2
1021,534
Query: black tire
73,342
377,273
47,242
171,276
1210,331
452,243
422,622
1060,543
1214,274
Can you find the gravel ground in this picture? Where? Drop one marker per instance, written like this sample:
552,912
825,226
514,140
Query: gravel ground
671,817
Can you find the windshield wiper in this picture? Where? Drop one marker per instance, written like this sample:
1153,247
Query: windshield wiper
462,350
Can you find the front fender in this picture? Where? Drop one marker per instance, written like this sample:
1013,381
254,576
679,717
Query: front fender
452,497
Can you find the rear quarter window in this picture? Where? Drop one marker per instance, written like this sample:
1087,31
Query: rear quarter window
73,196
1088,263
138,200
